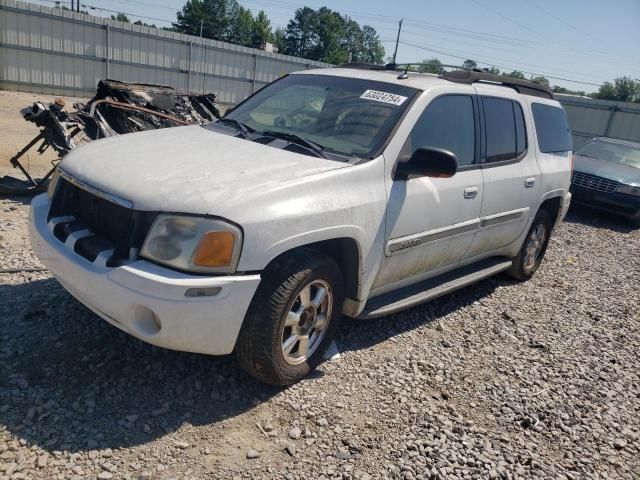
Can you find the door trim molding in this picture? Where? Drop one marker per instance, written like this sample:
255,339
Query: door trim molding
400,244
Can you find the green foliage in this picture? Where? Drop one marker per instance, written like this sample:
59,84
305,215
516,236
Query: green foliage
215,16
224,20
469,64
121,17
261,30
515,74
623,89
327,36
566,91
142,24
542,80
493,71
432,65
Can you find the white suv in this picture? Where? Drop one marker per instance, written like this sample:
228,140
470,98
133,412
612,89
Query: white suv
357,191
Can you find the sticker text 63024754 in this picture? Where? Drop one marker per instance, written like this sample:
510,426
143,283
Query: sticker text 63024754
383,97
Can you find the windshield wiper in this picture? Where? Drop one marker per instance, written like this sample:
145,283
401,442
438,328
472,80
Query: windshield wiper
244,129
293,138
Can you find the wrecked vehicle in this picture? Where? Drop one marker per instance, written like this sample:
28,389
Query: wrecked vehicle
116,109
344,190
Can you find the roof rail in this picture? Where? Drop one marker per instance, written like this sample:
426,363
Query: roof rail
362,66
526,87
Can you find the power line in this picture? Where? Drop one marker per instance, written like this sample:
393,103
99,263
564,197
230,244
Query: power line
506,67
394,20
490,59
91,7
561,20
522,25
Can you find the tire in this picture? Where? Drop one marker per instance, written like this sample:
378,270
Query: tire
523,267
270,329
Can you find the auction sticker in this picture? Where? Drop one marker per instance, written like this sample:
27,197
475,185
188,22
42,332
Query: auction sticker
383,97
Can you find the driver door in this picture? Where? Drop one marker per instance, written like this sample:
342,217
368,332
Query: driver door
431,222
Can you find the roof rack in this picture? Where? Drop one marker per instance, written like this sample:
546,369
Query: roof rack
526,87
465,75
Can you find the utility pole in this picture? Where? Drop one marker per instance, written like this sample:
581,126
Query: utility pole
395,52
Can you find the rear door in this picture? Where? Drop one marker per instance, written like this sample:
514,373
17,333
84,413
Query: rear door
510,172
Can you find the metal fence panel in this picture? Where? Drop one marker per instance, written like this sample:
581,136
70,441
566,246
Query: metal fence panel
590,118
56,51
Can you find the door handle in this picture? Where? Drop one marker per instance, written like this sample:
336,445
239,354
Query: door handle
470,192
529,182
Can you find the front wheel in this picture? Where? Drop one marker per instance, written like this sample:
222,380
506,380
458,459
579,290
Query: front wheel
292,318
528,259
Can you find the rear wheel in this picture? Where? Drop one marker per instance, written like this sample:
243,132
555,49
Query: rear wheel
533,249
292,319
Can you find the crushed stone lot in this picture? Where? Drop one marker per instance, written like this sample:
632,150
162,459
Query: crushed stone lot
498,380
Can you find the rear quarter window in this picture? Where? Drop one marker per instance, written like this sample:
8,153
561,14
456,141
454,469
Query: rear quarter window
552,127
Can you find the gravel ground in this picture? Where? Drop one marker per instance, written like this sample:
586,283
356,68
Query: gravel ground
499,380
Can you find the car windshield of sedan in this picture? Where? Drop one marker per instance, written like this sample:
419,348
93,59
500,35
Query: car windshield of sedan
613,152
329,114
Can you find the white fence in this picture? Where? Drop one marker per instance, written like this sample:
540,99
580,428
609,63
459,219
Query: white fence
600,118
55,51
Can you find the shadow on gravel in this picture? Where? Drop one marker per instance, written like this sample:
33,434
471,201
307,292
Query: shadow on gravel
363,334
595,218
70,381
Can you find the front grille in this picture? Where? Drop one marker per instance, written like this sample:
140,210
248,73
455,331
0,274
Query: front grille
96,228
593,182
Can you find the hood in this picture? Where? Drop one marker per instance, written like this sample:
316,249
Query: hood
187,169
604,168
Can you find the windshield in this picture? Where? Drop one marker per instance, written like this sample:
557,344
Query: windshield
340,115
613,152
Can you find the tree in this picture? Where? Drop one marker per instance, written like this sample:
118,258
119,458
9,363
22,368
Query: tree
493,71
301,34
542,80
515,74
241,28
327,36
372,49
280,40
566,91
469,64
142,24
215,16
121,17
623,89
433,65
261,30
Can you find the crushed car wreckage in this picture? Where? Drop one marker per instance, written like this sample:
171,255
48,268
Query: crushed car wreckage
116,109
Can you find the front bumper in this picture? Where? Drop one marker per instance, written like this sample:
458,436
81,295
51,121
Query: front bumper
147,300
616,203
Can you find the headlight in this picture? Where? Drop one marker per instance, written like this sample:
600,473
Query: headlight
196,244
53,183
629,190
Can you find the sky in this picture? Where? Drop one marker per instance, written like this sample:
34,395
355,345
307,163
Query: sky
587,41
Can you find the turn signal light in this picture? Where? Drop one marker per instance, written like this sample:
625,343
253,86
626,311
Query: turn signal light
215,249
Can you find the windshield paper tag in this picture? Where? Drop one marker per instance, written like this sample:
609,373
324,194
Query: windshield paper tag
383,97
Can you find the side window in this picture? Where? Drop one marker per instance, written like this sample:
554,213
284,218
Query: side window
500,129
447,122
554,134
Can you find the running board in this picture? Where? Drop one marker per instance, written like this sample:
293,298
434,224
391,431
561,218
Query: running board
426,290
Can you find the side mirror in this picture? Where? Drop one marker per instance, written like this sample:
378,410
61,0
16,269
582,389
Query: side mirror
428,162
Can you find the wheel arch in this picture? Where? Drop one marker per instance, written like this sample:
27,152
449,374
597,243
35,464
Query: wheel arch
346,252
